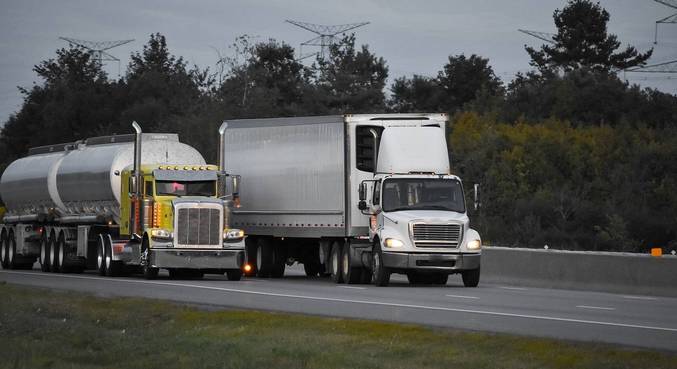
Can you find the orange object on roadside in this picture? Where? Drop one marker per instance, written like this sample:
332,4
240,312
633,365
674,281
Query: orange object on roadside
656,251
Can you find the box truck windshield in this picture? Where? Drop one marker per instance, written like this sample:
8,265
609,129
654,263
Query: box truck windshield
186,188
422,194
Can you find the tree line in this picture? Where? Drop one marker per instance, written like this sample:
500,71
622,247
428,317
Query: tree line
567,154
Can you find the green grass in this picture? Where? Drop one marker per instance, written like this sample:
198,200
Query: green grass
40,328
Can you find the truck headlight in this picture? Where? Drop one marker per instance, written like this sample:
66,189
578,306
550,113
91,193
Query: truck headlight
393,243
233,234
474,245
161,234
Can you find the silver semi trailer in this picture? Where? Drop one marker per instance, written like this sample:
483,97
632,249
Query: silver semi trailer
355,196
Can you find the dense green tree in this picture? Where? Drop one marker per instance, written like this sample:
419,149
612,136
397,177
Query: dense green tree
582,41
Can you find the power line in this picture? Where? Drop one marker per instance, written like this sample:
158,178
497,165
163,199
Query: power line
671,19
98,48
326,36
545,36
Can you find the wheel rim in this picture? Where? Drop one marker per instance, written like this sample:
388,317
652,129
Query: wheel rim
108,260
43,252
345,263
259,252
10,252
334,261
52,252
99,257
62,253
3,251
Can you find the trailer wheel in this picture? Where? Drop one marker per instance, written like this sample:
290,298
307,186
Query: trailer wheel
11,252
101,255
471,278
279,261
380,275
349,272
335,262
3,250
264,258
234,274
44,254
53,263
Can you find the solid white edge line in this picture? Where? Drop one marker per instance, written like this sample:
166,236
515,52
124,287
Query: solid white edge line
353,287
463,297
389,304
513,288
639,298
594,307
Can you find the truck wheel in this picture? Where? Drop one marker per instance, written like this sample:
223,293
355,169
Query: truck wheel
380,275
113,268
471,278
44,254
250,251
148,271
61,256
279,261
264,258
3,251
349,272
53,263
335,262
234,274
11,252
415,278
311,263
439,279
101,256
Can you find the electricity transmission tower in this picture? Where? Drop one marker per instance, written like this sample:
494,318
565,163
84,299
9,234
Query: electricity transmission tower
98,48
326,35
545,36
672,19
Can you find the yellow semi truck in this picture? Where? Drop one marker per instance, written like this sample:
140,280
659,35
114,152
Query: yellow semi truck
120,204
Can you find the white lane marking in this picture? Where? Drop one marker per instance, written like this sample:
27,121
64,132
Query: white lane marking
463,297
364,302
353,287
640,298
594,307
513,288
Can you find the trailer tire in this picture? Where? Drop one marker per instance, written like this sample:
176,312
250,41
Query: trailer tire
471,278
44,254
265,258
3,250
101,255
11,252
335,262
53,266
279,262
62,255
349,273
234,274
380,275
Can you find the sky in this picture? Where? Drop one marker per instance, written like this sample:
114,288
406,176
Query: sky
414,37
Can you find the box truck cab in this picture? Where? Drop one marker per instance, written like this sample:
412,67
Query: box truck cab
356,196
418,220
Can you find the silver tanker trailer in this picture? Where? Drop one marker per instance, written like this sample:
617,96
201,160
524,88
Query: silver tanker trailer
137,202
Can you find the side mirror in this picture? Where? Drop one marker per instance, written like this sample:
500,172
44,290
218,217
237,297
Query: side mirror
476,193
236,185
363,193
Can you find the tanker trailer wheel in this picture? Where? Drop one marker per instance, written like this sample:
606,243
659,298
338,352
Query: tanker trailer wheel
147,271
265,258
62,255
349,272
471,278
11,252
44,254
380,275
335,262
101,255
3,250
53,249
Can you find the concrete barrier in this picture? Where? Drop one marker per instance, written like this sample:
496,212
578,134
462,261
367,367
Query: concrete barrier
639,274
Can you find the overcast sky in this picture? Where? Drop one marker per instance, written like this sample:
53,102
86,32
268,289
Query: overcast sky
414,37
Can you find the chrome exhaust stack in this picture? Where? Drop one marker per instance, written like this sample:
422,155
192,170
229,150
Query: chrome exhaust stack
136,205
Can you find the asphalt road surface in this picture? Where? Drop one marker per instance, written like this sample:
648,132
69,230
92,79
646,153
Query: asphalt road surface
643,321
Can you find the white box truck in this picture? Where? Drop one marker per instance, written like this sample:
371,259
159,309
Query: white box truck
356,196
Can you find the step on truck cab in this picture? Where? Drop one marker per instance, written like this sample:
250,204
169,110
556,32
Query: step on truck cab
126,203
355,196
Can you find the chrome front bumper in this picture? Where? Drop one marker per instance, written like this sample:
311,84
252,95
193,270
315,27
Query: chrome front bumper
197,259
431,262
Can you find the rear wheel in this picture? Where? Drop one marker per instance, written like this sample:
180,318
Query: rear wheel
279,261
471,278
3,251
101,255
234,274
349,272
61,255
335,262
265,258
113,268
11,252
44,254
380,275
250,251
53,251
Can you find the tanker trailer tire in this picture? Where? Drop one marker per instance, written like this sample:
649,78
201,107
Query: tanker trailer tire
380,275
51,240
61,255
113,268
349,272
471,278
100,256
234,274
147,271
44,254
3,250
11,252
335,262
264,258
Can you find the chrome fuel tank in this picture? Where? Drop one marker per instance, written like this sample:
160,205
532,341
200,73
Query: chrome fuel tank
84,178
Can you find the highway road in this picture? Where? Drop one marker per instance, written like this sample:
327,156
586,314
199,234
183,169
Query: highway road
642,321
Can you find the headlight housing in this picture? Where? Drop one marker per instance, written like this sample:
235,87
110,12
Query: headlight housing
162,234
393,243
474,245
233,234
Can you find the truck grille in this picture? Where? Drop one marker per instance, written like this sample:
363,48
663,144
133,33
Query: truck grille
436,235
198,227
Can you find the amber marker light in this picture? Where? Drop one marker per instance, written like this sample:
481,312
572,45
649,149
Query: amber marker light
247,268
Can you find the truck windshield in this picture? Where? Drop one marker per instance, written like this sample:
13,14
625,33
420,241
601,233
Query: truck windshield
423,194
185,188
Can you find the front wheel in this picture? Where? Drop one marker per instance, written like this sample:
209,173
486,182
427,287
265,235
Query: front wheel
471,278
234,274
380,274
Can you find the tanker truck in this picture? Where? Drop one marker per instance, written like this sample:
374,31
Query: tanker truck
126,203
358,197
